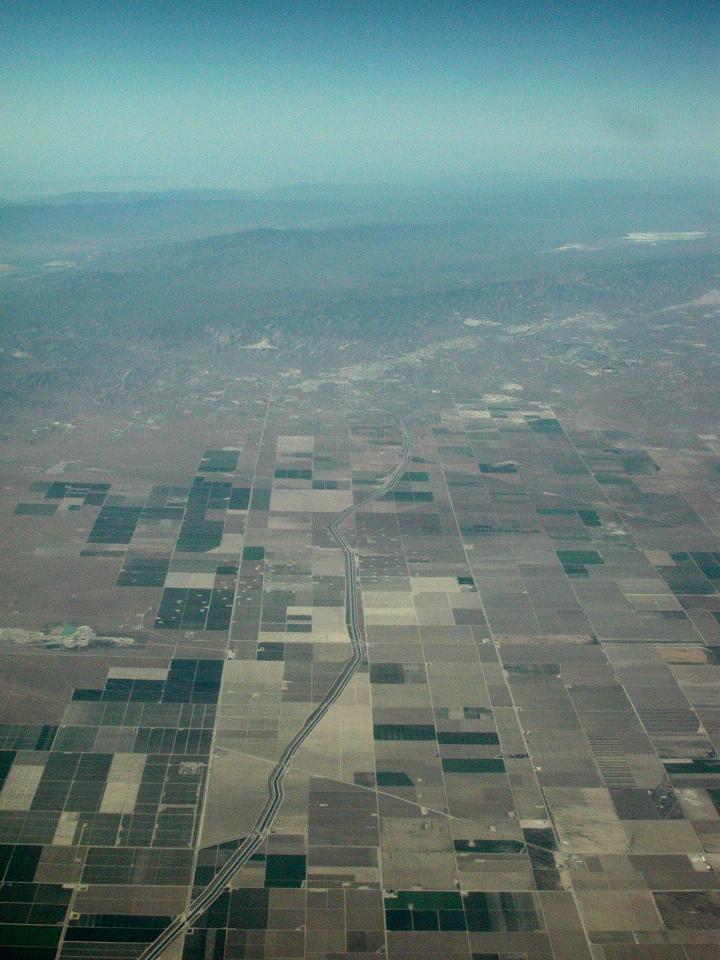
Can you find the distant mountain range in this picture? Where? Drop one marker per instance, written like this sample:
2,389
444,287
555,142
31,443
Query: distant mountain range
116,221
182,261
36,226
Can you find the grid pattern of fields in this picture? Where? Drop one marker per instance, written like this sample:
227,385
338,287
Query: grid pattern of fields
525,768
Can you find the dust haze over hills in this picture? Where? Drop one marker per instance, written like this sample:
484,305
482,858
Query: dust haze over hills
147,262
329,274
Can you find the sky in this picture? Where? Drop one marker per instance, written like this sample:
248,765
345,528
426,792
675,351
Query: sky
105,94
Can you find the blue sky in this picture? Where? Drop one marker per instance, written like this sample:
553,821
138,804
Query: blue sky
252,94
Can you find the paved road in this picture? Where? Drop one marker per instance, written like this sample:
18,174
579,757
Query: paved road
275,781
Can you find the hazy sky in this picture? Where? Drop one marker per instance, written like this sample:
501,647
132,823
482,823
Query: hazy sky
247,94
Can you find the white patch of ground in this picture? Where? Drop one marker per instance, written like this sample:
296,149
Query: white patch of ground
652,237
634,236
60,467
709,299
473,322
